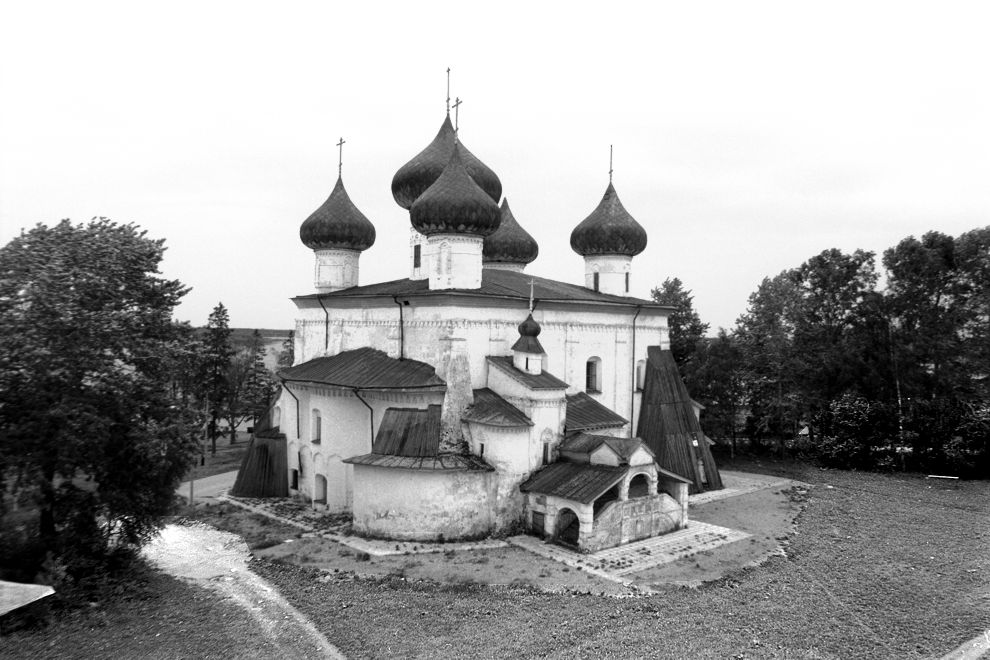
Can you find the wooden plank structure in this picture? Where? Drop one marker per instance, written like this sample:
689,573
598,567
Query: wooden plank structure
669,427
264,471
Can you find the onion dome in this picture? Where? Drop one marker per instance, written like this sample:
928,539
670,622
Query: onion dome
510,243
609,230
417,175
529,330
454,204
337,224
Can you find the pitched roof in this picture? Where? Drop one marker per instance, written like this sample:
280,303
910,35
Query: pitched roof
543,381
585,413
489,408
586,443
495,283
409,438
580,482
365,368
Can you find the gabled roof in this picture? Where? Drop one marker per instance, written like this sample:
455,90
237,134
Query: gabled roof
543,381
495,283
579,482
586,443
489,408
409,438
365,368
586,414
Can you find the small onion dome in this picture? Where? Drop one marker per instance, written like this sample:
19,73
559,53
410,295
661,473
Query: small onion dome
417,175
454,204
337,224
609,230
510,243
529,330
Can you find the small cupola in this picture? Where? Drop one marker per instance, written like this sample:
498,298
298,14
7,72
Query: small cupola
608,239
511,247
527,352
337,232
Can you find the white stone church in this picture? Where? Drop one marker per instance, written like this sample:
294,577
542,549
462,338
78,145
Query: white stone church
472,398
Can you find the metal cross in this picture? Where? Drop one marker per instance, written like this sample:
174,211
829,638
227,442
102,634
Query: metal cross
340,156
457,113
448,90
610,163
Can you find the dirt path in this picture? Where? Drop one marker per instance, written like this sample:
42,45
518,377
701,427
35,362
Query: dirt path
218,560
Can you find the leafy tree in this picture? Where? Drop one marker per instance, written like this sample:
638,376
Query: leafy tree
686,328
214,368
249,385
89,433
721,384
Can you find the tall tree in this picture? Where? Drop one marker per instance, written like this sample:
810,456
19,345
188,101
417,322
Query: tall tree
260,385
684,323
288,353
216,360
88,429
721,385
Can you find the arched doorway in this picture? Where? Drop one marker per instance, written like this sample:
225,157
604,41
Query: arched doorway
568,527
639,486
320,496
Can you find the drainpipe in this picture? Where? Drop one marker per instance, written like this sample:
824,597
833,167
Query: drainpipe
285,386
326,324
371,414
632,391
402,328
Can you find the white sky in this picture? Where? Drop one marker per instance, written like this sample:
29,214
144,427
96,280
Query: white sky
749,136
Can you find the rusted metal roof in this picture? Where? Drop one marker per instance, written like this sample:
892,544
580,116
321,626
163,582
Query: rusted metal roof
409,432
579,482
494,283
365,369
489,408
544,381
586,414
586,443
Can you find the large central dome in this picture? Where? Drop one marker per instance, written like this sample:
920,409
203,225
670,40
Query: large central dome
424,169
454,204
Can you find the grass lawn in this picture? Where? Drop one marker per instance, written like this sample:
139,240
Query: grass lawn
881,566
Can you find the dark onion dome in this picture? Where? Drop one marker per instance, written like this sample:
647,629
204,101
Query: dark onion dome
337,224
510,243
417,175
529,330
454,204
609,230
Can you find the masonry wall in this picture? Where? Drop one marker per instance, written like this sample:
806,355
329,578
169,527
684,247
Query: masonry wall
421,505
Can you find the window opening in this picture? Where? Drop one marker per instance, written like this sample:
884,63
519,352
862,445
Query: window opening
627,282
546,453
596,281
417,255
592,381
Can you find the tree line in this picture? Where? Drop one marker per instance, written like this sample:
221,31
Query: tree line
862,375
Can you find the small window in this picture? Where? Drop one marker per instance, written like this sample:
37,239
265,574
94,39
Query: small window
481,449
596,281
527,364
627,282
640,375
317,427
417,252
593,375
546,453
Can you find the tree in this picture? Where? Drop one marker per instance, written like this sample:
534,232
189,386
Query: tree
249,385
686,328
721,384
260,385
288,353
88,429
214,368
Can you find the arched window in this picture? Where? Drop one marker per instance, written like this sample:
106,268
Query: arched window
317,435
595,279
593,375
627,282
639,486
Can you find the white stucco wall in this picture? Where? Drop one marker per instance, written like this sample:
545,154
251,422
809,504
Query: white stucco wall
422,505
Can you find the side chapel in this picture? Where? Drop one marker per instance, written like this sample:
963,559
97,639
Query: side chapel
472,398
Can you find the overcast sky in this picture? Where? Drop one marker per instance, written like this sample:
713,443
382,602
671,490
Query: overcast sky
749,136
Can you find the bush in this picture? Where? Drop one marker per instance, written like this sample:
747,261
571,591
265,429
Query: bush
856,434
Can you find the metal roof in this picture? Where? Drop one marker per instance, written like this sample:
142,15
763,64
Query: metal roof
584,413
544,381
586,443
489,408
408,432
365,369
579,482
449,462
495,283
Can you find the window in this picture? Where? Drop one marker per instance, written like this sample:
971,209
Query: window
593,375
481,449
595,276
527,364
417,255
317,427
295,480
640,375
627,282
546,453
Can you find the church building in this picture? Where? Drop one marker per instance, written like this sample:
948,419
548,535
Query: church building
472,398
